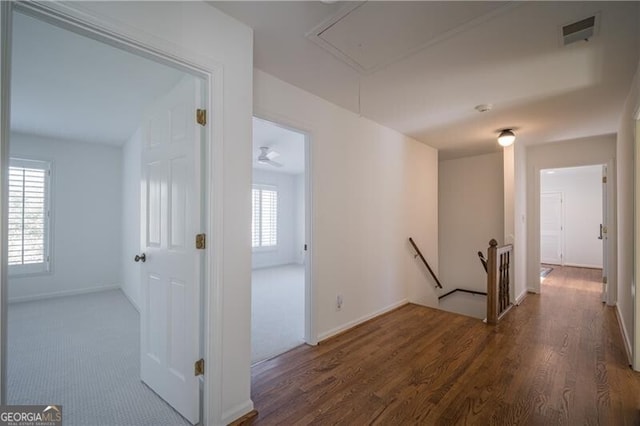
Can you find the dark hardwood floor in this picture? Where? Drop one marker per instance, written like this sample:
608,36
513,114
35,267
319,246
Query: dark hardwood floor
557,359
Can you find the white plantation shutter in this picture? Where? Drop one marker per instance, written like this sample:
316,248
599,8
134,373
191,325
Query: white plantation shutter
269,222
264,223
255,218
28,236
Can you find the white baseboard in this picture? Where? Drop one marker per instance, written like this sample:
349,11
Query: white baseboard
130,299
521,297
575,265
276,265
63,293
580,265
625,335
236,412
351,324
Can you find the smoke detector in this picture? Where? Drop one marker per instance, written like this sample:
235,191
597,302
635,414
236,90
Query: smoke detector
483,107
582,30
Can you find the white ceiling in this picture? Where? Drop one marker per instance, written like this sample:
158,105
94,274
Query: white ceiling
370,35
71,87
289,144
421,67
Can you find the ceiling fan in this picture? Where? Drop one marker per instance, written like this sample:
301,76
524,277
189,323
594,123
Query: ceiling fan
267,155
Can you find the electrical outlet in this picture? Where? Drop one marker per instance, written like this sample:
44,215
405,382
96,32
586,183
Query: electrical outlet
339,302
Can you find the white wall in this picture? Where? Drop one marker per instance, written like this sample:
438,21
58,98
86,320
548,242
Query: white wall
285,251
514,163
471,213
372,189
627,243
203,35
471,305
520,242
581,189
85,195
573,153
509,185
131,178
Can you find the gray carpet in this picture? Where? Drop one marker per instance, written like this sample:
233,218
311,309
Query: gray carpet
277,311
545,270
82,352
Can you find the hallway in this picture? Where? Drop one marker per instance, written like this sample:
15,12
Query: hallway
558,358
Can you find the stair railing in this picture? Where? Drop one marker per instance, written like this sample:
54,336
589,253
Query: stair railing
498,281
462,290
419,254
483,261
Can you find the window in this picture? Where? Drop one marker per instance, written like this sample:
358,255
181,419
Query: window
264,223
28,216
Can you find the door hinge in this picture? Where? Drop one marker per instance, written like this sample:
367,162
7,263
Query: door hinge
198,367
604,179
201,117
305,247
604,280
201,241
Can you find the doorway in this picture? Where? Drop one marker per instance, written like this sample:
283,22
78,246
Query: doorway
573,219
78,222
280,221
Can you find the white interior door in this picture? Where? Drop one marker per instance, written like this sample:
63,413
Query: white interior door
603,234
551,228
171,217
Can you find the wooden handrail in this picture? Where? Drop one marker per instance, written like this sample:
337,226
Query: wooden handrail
418,253
498,281
483,260
463,290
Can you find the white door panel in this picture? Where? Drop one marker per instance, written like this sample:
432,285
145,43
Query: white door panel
179,172
154,204
170,276
551,228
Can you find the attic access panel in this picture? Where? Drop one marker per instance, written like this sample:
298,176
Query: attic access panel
370,35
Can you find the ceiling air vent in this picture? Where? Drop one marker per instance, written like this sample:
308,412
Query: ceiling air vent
582,30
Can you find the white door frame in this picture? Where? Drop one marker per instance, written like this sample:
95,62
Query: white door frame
70,17
310,333
635,349
5,110
605,223
533,265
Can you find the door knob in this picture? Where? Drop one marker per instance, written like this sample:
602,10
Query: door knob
140,257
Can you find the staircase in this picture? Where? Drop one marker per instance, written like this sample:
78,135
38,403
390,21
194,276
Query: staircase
491,305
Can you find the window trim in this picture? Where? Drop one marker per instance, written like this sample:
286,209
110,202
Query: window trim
43,268
266,187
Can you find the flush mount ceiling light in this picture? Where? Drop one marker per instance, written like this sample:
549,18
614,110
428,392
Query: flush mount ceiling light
506,137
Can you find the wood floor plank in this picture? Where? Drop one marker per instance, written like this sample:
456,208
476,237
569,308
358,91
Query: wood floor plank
558,358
